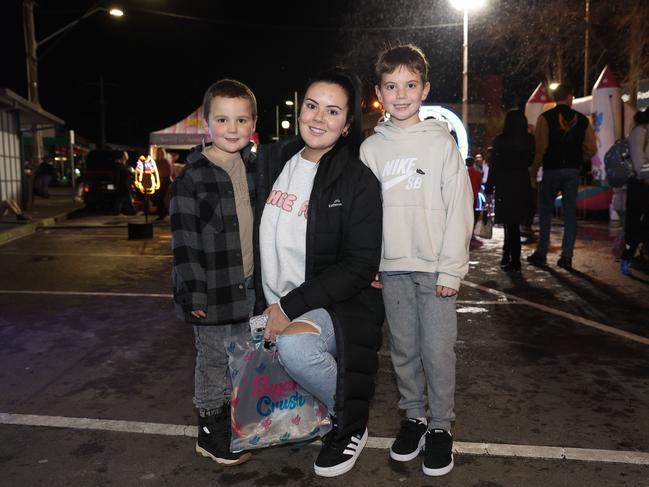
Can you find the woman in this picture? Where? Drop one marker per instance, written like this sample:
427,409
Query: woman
636,228
317,249
513,153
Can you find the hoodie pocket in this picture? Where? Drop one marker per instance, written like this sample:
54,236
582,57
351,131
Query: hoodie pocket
412,233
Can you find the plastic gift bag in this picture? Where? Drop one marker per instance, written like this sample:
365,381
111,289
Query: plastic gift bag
268,407
484,226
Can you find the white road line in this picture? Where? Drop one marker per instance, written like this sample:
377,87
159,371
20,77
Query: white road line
77,255
505,298
81,293
461,447
563,314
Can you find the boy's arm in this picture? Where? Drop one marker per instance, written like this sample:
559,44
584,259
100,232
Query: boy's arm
189,257
453,262
361,255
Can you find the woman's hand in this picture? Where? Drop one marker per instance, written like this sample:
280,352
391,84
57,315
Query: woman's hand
445,292
199,313
376,283
277,322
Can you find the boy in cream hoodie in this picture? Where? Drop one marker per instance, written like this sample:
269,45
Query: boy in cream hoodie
427,226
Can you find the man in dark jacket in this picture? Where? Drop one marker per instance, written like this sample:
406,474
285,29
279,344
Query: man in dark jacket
564,142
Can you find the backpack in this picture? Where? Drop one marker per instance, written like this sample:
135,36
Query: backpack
618,164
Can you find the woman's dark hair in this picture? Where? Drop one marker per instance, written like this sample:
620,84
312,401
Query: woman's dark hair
641,117
515,123
351,84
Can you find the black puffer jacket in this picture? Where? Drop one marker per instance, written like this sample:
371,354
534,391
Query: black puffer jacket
343,251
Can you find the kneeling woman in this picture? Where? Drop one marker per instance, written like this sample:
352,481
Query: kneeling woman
318,246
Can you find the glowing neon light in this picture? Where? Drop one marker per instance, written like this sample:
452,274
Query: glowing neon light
147,179
446,115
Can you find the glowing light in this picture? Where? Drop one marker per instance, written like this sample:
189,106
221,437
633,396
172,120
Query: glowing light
376,104
289,103
286,124
553,85
147,179
467,4
116,12
454,122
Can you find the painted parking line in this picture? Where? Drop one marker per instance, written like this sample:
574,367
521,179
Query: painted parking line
77,255
577,319
504,298
460,447
81,293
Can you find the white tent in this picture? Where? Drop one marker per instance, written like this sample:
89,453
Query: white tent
185,134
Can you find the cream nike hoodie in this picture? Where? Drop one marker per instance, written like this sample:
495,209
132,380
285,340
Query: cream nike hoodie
427,199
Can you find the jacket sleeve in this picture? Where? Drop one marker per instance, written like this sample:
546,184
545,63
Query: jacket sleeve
453,262
190,289
541,141
638,145
360,255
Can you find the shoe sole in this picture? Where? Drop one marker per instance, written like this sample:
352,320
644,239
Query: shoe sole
343,467
409,456
438,472
223,461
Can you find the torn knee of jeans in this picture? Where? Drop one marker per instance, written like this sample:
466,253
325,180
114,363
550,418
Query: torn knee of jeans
302,326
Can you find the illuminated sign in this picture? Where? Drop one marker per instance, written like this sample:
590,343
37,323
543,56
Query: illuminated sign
147,179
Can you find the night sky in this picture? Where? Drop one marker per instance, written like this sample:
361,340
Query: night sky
157,67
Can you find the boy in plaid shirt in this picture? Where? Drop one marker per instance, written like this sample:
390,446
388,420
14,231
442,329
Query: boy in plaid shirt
212,224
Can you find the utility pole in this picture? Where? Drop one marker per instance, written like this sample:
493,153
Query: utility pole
30,48
586,45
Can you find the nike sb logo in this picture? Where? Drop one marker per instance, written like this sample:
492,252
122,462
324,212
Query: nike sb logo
400,170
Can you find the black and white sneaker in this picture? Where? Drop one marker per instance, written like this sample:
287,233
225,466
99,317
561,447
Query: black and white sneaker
337,457
438,453
409,441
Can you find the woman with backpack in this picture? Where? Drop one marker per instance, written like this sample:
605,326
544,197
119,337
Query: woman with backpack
636,225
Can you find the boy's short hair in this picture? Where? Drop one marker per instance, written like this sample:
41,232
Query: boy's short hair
407,55
563,91
228,88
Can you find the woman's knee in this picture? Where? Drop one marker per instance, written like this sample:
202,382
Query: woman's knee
297,350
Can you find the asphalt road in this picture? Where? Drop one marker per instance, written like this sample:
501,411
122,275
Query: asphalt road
96,375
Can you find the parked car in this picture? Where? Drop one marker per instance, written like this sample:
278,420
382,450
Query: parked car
100,178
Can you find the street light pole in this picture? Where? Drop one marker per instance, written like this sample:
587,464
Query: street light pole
465,70
586,43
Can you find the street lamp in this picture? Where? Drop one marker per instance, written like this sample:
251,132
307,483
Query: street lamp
465,6
32,44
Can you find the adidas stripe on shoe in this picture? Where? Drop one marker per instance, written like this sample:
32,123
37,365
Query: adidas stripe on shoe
338,457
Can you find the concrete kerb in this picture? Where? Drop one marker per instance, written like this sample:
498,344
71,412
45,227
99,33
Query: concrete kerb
26,229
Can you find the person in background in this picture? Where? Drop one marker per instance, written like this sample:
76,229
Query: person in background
123,180
564,142
319,245
211,229
636,225
513,153
427,227
45,174
475,176
13,207
167,174
483,166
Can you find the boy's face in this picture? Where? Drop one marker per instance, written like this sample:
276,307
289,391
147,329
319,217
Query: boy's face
230,124
401,93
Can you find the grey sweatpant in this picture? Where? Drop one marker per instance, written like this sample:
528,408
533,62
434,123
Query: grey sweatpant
423,331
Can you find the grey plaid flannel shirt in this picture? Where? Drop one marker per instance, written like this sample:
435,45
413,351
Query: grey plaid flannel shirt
207,269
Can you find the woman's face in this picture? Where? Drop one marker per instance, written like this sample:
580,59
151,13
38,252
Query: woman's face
323,118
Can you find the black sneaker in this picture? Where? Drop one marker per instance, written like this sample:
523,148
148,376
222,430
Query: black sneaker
565,263
438,453
537,259
337,457
410,440
214,436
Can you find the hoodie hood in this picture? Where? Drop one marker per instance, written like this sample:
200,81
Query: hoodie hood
390,131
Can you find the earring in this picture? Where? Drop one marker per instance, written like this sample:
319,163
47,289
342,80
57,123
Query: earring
345,132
